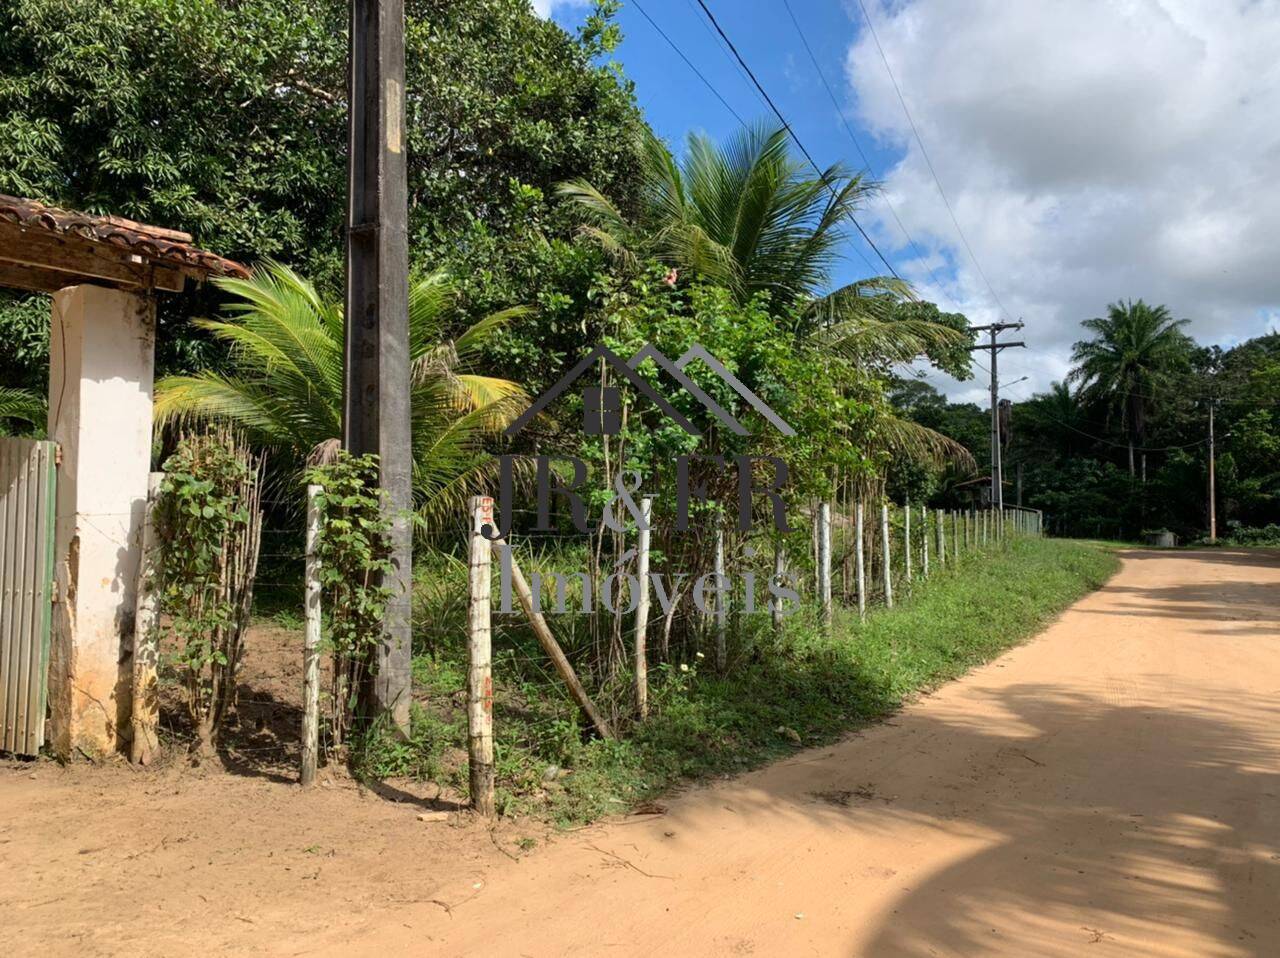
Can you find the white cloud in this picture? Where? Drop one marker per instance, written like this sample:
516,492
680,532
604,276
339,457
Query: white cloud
1092,150
544,8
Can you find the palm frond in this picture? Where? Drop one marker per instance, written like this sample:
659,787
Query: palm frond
23,405
906,438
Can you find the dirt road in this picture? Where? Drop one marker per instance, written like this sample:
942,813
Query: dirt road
1111,788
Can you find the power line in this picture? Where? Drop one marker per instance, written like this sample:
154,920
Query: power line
710,86
858,146
787,126
689,63
721,47
928,162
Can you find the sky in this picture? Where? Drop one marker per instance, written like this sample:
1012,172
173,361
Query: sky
1090,150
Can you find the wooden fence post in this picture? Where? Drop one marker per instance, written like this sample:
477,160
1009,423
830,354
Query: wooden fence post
145,707
887,564
860,562
924,541
942,539
906,540
955,536
824,560
779,575
720,615
479,660
642,608
311,642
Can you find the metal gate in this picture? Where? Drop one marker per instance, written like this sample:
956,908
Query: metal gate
28,477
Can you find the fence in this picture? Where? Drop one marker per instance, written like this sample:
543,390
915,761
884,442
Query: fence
880,552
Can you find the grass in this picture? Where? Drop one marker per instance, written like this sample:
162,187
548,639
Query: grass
803,688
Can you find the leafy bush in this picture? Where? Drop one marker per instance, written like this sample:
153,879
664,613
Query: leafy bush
209,524
354,556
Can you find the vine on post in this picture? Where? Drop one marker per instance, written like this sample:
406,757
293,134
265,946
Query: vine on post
354,557
209,525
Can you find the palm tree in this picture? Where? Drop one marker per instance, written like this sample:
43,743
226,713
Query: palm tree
286,387
1134,352
746,216
751,217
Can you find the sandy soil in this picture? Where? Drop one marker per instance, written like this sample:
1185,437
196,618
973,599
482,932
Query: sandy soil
1112,789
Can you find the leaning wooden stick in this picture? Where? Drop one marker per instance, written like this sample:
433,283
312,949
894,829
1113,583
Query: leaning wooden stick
549,643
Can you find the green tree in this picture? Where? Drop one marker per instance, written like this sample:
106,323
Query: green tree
284,388
1134,354
750,217
227,120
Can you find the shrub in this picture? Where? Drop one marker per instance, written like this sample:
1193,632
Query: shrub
354,556
209,524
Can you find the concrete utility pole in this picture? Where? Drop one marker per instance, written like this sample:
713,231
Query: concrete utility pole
1213,508
994,347
375,412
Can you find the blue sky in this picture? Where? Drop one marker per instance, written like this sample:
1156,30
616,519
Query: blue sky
676,102
1092,151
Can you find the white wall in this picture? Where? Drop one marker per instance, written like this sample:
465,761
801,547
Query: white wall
101,365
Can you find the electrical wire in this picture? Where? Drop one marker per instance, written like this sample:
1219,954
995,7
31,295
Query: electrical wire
680,53
862,153
787,126
928,162
689,63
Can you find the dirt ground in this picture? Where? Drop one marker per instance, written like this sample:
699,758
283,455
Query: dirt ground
1111,788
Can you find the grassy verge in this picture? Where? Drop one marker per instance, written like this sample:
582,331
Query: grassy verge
800,689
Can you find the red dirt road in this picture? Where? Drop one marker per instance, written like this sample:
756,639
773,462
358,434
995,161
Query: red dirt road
1110,789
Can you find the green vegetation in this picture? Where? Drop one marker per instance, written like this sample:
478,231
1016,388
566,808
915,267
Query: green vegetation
18,404
803,688
1127,451
351,550
545,217
208,524
284,386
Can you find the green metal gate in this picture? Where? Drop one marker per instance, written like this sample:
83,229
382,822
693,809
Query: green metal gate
28,477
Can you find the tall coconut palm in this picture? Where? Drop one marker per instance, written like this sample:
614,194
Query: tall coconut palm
1135,351
285,389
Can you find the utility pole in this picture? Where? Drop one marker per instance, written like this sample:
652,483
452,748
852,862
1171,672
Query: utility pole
1213,508
375,413
994,347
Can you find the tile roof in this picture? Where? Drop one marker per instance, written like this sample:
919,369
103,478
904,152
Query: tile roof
161,247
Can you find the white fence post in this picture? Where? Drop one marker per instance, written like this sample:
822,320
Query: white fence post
906,540
145,707
779,576
824,560
311,642
642,608
480,660
860,562
924,541
887,564
720,616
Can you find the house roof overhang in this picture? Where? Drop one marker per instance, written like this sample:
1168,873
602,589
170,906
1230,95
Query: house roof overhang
44,249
